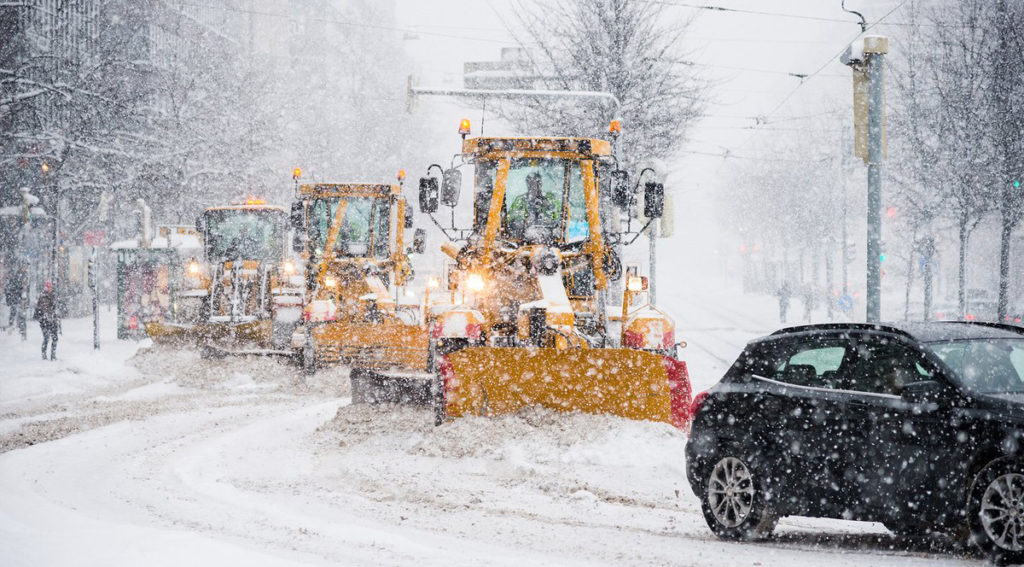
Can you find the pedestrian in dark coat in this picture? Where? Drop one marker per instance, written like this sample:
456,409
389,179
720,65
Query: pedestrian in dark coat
783,293
49,321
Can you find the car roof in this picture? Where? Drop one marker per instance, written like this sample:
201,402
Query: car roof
924,331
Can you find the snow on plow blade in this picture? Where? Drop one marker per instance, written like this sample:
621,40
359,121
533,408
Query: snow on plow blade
379,345
204,334
623,382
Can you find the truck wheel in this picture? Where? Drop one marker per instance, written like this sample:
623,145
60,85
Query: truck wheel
308,359
995,511
437,391
733,499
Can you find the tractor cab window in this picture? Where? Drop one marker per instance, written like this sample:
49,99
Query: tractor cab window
577,227
363,230
245,234
533,200
544,200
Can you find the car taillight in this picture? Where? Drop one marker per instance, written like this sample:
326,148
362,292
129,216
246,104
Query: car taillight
698,401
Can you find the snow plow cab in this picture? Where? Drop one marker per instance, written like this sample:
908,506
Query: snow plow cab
228,296
353,239
532,274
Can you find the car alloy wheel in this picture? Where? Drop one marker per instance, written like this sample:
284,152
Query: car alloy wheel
730,492
1002,511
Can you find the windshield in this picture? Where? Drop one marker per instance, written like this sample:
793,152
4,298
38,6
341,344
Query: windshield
988,366
244,234
544,200
365,227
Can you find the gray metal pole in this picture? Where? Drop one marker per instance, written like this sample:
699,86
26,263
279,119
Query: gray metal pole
875,59
652,236
95,301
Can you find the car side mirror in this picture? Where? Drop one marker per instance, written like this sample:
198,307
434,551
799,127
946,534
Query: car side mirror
923,391
451,185
620,188
297,216
408,215
419,241
428,194
654,200
200,225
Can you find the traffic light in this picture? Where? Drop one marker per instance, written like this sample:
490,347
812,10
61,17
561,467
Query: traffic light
1016,183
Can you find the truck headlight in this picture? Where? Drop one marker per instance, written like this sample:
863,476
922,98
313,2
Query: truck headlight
194,269
288,268
475,282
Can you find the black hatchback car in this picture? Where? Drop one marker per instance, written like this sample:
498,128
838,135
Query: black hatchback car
919,426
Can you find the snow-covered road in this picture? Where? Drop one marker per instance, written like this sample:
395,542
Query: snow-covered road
166,459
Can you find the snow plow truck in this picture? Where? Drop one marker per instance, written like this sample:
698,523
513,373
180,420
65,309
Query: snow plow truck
535,326
352,236
231,296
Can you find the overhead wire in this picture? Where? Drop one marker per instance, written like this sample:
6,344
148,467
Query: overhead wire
350,23
713,8
824,65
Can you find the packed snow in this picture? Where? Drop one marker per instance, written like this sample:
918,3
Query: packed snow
136,455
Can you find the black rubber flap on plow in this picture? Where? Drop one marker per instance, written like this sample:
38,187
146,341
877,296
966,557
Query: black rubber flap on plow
376,387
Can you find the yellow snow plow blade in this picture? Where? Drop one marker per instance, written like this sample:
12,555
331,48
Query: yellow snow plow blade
492,381
387,344
205,334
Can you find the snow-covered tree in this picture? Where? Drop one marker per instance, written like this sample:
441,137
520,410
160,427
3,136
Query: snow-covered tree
629,48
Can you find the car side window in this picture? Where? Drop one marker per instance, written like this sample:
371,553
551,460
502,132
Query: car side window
885,367
813,363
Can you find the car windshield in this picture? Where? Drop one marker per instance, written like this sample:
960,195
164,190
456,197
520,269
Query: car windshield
987,366
364,229
244,234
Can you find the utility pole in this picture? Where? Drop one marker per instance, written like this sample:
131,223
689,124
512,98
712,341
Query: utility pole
875,49
652,237
867,60
95,301
844,169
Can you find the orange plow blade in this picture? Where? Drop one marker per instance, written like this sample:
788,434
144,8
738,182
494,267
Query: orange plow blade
208,334
379,345
623,382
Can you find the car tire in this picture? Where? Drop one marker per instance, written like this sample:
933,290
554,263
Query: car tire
995,511
733,499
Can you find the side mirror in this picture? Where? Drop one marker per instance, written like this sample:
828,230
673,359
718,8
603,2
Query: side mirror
200,225
620,188
419,241
428,194
451,186
654,200
408,215
297,217
924,391
299,240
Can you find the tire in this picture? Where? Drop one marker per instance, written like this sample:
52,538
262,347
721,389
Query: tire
733,499
437,392
995,511
308,359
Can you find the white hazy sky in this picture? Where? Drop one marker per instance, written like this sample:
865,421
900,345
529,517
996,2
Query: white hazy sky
745,56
